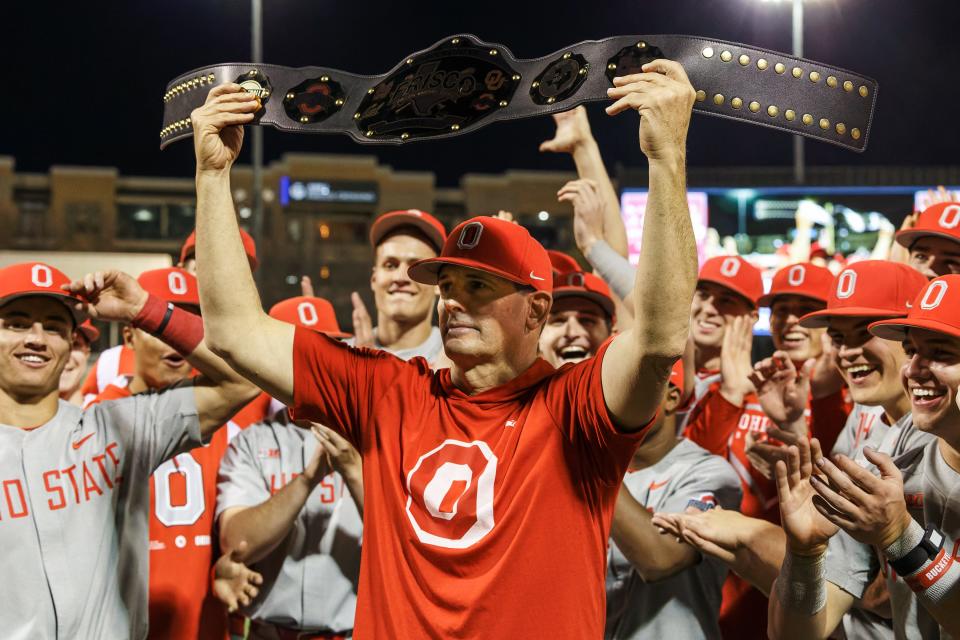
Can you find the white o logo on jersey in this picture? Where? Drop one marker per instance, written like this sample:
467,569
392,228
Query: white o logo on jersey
470,235
934,295
172,515
177,283
796,275
950,217
450,494
307,314
846,284
41,275
730,267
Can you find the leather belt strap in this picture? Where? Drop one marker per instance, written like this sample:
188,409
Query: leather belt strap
462,83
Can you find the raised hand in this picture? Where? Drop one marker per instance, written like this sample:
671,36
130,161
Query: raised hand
763,454
306,287
825,379
587,211
735,366
319,466
782,390
234,584
807,529
344,458
218,126
362,324
870,508
573,129
664,97
109,295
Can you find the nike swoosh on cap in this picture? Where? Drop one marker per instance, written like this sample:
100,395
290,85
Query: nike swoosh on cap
535,277
79,443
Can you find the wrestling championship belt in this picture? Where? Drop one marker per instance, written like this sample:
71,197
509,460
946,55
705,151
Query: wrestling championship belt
462,83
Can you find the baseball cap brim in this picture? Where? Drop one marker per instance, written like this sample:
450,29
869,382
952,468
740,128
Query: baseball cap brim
603,301
428,271
897,329
726,285
907,237
68,301
384,225
767,299
821,319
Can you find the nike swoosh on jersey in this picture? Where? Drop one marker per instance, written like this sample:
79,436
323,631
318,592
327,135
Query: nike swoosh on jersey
658,485
79,443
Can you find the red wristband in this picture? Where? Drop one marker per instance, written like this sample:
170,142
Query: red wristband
180,329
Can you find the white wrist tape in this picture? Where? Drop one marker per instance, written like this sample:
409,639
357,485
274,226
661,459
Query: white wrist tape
801,585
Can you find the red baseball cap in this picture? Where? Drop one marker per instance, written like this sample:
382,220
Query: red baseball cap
584,285
37,278
734,273
817,251
420,220
869,289
562,263
495,246
249,247
676,375
172,284
89,332
941,219
309,312
804,279
937,308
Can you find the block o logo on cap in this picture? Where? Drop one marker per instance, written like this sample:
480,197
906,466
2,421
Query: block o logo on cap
730,267
307,314
934,295
950,217
846,284
574,279
796,275
470,236
176,283
41,275
450,494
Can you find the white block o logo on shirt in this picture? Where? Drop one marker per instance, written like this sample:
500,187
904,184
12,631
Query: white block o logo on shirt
796,275
730,267
41,275
176,283
950,217
307,314
450,494
846,284
934,295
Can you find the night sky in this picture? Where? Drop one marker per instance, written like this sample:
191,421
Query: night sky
84,80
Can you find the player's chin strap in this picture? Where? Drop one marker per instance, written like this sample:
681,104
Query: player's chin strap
462,83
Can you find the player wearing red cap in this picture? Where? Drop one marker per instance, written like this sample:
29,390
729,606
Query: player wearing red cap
492,503
899,508
71,380
76,481
754,548
183,490
657,586
581,318
404,307
282,499
934,240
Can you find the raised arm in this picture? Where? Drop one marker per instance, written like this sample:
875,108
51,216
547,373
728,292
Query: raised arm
638,362
237,329
573,136
219,392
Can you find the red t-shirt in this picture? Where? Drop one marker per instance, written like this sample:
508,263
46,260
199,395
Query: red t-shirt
485,516
183,496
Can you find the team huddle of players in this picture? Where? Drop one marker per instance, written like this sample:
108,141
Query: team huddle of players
566,453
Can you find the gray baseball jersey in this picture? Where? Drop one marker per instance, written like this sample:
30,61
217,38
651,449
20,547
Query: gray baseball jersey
430,349
310,579
687,604
852,565
74,514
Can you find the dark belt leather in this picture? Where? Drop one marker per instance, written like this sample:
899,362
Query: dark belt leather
462,83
